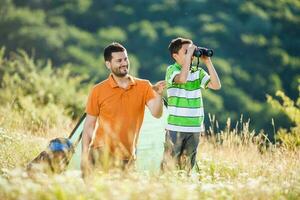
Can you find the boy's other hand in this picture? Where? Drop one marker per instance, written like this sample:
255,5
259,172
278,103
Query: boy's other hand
206,60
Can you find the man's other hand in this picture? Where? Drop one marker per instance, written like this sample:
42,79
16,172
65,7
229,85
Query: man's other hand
159,87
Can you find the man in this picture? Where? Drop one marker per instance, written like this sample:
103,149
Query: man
186,115
118,104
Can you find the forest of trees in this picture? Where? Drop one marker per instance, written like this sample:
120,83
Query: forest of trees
256,44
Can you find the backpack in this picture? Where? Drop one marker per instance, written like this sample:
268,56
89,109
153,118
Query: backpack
56,157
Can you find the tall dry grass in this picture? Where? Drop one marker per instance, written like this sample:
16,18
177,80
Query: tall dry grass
233,164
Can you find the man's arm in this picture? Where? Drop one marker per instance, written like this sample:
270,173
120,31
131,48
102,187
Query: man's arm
155,104
88,129
214,83
182,76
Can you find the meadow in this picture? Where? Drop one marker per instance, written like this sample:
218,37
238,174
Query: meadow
233,164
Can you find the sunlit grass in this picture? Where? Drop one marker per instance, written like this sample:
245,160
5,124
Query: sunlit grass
225,172
234,163
237,183
18,148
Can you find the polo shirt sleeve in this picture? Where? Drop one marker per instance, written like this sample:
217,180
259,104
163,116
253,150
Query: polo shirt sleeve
150,94
171,73
92,107
204,79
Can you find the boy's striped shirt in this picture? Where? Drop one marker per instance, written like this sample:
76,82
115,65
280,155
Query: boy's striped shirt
185,106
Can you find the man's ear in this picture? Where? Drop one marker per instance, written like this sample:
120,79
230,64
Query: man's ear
107,63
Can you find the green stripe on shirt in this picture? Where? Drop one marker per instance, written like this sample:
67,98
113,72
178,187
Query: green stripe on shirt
184,102
185,121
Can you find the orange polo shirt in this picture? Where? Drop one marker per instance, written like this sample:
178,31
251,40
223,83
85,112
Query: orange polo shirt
120,114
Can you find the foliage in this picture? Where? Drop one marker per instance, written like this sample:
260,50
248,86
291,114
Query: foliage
36,94
256,43
289,138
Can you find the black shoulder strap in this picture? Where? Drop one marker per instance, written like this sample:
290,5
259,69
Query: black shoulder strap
165,102
74,130
77,125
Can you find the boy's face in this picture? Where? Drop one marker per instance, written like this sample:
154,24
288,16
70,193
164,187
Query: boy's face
180,56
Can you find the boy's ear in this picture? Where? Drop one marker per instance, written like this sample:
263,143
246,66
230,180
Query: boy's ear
175,56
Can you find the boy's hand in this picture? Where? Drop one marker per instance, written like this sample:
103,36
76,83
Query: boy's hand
159,87
206,60
190,50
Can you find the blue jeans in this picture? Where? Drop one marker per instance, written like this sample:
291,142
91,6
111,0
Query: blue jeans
180,149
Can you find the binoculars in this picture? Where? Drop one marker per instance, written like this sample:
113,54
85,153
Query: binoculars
199,51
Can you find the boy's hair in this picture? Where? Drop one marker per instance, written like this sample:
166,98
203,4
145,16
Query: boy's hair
177,43
113,47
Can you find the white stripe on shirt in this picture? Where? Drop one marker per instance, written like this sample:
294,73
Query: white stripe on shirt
185,129
184,93
187,112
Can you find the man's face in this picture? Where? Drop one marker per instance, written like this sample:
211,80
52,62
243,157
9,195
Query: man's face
119,64
180,56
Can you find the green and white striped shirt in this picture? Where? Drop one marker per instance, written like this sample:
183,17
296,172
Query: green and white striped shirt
185,106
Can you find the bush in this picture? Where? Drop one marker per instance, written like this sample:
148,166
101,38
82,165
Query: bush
288,138
36,94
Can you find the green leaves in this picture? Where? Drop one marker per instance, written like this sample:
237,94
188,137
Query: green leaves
44,96
256,43
289,138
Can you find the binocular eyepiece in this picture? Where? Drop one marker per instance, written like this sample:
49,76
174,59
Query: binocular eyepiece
199,51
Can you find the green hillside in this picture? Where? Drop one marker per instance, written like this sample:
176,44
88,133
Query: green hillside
256,44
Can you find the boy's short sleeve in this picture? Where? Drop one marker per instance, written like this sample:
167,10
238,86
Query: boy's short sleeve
172,71
92,107
204,79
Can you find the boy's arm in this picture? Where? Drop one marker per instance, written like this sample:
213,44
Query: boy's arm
182,76
214,83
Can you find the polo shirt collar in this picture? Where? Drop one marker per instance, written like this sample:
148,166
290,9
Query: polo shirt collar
177,65
113,83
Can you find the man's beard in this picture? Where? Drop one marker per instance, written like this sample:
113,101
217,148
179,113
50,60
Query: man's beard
117,72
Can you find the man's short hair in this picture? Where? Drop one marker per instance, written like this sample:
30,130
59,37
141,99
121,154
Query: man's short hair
177,43
111,48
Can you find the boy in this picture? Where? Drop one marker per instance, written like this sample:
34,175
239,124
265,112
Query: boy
186,115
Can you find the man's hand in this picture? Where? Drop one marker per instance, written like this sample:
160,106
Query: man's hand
159,87
85,166
155,104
